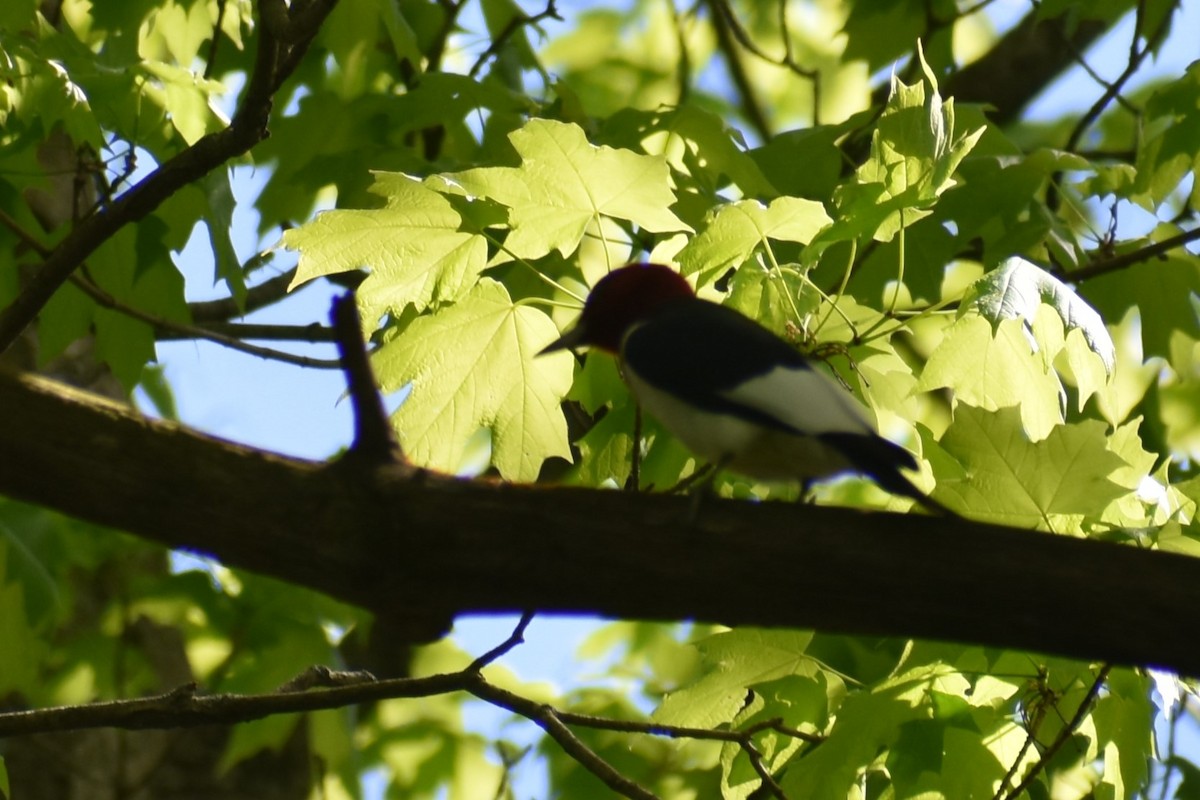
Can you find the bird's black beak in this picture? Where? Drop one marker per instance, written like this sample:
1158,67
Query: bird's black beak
576,337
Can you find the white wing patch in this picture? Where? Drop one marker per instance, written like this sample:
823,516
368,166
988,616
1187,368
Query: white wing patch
806,400
749,447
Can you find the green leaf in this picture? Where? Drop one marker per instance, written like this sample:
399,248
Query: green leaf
996,371
698,144
16,15
1015,290
443,96
1162,291
915,150
867,723
175,31
1169,152
799,701
776,299
1179,399
252,737
805,163
1189,787
158,391
606,450
473,365
505,17
1124,718
737,229
880,32
1014,481
185,97
564,184
20,657
219,219
414,247
738,659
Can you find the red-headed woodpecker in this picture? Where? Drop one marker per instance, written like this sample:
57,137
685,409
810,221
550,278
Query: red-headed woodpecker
733,392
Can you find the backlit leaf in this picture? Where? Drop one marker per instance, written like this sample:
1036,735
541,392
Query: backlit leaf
413,247
564,184
472,365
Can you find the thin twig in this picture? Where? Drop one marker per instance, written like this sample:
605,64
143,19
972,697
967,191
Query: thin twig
757,762
210,62
549,720
1107,265
319,688
264,294
684,62
515,638
1113,91
1085,707
517,22
726,41
744,38
182,330
313,332
165,329
437,48
685,732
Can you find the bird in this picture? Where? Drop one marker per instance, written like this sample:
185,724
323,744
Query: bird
733,392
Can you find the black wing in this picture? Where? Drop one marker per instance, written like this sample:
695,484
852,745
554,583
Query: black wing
679,348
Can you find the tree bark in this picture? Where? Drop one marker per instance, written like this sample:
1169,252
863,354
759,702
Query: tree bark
420,548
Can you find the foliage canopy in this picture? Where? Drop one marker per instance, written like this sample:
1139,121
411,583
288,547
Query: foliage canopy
1013,298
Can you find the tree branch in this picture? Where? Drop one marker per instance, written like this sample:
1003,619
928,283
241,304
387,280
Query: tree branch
517,22
1025,61
264,294
313,332
1150,251
183,330
1068,730
374,438
546,718
316,689
279,45
727,44
397,544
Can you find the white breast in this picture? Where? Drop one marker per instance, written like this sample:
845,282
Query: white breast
747,447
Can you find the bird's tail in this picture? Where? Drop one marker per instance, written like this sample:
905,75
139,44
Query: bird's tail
882,460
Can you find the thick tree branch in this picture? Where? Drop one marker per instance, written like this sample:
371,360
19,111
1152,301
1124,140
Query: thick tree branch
374,438
1025,61
397,544
281,41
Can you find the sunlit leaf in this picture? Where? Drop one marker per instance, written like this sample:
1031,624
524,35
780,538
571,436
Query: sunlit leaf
738,659
996,371
1016,480
414,248
1016,288
473,365
738,229
564,184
